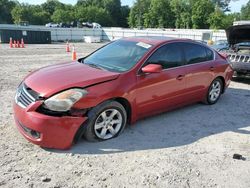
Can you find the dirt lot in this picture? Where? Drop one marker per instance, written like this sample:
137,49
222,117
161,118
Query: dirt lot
188,147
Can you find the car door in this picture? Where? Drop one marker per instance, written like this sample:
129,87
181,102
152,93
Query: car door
200,70
161,91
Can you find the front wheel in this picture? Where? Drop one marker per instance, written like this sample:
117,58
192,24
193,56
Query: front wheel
106,121
214,91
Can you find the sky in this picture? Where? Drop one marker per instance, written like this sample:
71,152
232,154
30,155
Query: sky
234,5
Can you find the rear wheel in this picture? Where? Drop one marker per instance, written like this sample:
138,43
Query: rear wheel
214,91
106,121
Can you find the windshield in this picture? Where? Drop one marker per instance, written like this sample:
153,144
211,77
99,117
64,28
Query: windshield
118,56
244,44
221,42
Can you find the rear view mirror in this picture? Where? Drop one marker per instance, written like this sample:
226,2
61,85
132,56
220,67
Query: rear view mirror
152,68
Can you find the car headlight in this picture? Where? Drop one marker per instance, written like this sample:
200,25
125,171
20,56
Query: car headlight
63,101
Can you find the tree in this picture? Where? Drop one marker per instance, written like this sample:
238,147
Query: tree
183,12
6,7
222,4
61,15
114,9
85,3
201,12
159,15
216,19
51,5
124,16
38,15
93,14
245,11
20,13
137,12
31,13
230,18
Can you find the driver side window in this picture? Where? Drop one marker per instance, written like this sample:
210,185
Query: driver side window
168,56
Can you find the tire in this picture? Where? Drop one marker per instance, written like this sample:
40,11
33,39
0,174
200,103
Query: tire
101,126
214,91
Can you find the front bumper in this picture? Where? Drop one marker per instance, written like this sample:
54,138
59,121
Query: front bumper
243,67
51,132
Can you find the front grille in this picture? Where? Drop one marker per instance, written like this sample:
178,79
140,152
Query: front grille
239,58
24,96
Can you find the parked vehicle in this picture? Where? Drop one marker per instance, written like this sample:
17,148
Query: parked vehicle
220,45
201,41
238,37
87,24
124,81
91,25
64,25
52,25
96,25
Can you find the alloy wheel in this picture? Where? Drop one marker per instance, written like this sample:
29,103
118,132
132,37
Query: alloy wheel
108,124
215,91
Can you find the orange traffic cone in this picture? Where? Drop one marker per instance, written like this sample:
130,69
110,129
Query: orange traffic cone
18,44
22,43
73,54
11,44
67,47
15,44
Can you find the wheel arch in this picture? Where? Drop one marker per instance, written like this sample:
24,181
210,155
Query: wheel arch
123,101
223,82
126,104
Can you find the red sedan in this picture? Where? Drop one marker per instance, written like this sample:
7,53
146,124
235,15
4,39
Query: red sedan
124,81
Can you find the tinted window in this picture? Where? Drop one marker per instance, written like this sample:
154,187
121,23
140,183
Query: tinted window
210,54
194,53
168,56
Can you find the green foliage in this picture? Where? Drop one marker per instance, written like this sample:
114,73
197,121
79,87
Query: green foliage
124,16
31,13
61,15
201,12
222,4
6,7
160,15
216,19
183,13
137,13
93,14
229,19
219,20
51,5
245,11
114,9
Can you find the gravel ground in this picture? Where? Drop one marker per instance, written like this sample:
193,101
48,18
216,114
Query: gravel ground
188,147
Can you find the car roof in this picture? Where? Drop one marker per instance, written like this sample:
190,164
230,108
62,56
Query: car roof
154,40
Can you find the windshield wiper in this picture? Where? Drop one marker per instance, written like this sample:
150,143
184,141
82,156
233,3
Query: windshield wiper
95,66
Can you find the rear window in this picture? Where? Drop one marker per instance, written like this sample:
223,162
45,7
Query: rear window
194,53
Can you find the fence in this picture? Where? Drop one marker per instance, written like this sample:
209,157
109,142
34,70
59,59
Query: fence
77,34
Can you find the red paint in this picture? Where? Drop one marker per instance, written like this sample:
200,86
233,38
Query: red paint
152,68
147,93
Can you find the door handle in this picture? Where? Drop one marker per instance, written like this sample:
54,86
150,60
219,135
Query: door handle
180,77
212,68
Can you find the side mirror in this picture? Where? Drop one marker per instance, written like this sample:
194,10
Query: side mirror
152,68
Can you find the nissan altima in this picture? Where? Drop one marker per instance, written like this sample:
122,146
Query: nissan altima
123,81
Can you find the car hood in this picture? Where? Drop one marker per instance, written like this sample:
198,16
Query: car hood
238,33
52,79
